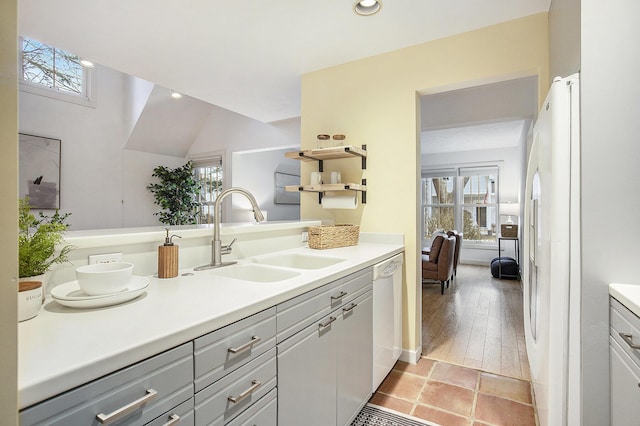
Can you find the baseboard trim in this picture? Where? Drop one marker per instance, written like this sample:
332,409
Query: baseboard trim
476,262
412,357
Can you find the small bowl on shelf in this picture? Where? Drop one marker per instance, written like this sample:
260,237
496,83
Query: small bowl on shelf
104,278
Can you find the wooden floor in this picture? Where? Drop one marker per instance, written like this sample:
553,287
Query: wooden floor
477,323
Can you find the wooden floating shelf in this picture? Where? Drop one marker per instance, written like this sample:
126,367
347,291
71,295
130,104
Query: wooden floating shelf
332,153
326,187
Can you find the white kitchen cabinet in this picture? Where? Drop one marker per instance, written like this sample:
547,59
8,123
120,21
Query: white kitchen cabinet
307,379
135,395
236,362
222,351
182,415
237,391
324,370
262,413
354,366
235,367
624,364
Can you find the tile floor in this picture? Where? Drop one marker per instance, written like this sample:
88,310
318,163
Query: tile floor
452,395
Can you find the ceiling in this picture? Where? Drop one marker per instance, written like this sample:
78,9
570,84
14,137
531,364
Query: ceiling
248,56
482,117
505,134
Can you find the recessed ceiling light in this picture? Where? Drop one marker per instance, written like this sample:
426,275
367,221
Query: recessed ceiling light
86,63
176,95
367,7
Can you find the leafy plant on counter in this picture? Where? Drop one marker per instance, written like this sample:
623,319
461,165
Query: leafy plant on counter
37,240
177,194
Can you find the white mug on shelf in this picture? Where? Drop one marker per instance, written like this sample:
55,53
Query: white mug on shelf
335,177
316,178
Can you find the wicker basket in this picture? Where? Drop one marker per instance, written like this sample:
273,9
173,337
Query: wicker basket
509,231
333,236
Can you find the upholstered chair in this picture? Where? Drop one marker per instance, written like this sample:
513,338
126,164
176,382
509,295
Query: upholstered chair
456,254
438,264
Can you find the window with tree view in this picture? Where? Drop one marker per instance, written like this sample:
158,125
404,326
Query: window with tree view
465,199
53,68
209,173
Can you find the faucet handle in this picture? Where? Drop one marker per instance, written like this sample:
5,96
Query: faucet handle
227,249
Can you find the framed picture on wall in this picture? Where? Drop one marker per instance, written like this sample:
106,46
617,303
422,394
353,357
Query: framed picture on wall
40,171
281,196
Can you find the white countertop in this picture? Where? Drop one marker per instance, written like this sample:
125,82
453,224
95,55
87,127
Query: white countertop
628,295
63,347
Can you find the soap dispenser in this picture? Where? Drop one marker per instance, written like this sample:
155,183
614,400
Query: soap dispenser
168,257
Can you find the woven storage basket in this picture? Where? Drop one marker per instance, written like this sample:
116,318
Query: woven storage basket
332,236
509,231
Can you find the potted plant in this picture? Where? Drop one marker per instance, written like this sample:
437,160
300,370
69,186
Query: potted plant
177,194
37,240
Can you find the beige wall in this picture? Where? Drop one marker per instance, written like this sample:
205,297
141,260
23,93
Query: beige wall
8,218
374,101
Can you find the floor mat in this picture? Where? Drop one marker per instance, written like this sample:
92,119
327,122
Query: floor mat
374,415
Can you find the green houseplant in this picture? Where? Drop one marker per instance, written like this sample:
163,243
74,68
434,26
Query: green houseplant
177,194
37,240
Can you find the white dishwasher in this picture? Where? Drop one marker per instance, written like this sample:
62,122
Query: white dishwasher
387,316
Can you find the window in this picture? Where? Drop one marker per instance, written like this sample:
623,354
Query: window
209,173
53,72
463,198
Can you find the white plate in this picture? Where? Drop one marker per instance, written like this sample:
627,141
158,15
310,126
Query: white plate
69,294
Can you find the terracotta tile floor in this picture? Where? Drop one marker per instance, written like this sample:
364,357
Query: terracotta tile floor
452,395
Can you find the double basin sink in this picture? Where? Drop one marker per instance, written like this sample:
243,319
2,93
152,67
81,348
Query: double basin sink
278,267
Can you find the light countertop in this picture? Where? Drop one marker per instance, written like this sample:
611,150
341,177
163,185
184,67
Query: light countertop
63,347
628,295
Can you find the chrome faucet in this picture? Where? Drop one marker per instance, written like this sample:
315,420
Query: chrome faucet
217,249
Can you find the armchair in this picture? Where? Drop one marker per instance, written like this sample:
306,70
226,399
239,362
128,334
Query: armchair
456,254
438,265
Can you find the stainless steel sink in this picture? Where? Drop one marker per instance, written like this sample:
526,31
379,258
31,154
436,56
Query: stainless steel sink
253,272
299,260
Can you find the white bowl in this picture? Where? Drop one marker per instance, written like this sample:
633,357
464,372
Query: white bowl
104,278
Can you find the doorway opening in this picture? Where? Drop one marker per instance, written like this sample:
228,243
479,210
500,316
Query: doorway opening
478,322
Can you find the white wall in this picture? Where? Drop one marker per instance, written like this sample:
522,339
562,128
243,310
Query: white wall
138,203
92,139
610,107
103,184
564,37
228,132
512,172
254,171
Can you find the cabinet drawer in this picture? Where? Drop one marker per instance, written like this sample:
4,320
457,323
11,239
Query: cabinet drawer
182,415
170,374
296,314
625,393
624,321
254,379
262,413
226,349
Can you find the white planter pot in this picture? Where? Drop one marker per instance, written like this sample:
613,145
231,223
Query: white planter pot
29,299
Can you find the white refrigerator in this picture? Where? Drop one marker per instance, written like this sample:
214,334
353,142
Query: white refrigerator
551,261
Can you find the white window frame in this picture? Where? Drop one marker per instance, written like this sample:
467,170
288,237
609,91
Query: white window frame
458,172
209,160
89,85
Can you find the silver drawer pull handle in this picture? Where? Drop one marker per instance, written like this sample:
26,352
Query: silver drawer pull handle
254,385
627,338
250,343
173,420
350,307
123,411
327,323
340,296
